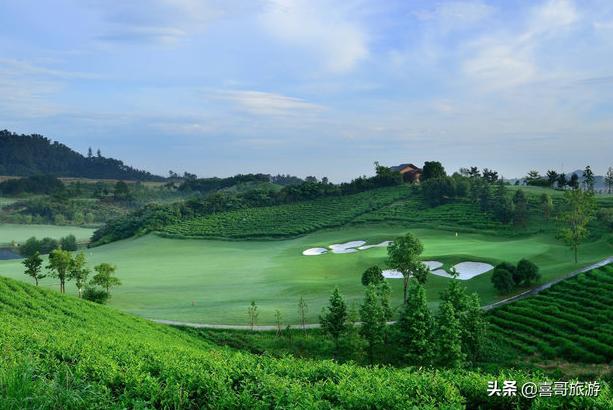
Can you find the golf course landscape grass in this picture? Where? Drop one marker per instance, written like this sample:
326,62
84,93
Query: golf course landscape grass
211,281
21,232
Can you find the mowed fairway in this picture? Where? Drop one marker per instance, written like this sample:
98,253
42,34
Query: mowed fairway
208,281
19,233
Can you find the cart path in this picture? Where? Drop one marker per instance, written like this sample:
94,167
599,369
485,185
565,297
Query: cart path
261,328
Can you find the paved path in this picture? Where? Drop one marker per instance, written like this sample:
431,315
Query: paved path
503,302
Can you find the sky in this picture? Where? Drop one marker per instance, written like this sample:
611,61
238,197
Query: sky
314,87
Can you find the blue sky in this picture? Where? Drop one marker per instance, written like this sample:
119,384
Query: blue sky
314,87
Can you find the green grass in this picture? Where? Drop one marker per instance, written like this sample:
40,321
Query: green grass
61,352
162,277
20,232
573,320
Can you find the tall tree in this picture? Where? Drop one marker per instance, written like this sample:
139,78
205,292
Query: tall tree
333,318
384,291
502,279
608,179
253,313
588,178
574,181
373,321
104,277
577,214
303,308
432,169
532,177
562,182
59,263
34,264
403,255
89,152
552,177
546,205
520,203
474,328
448,337
79,272
527,271
416,326
503,207
490,175
474,172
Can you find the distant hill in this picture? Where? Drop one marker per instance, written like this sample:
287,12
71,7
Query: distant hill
26,155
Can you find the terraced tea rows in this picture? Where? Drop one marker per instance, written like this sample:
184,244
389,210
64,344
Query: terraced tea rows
287,220
414,211
572,320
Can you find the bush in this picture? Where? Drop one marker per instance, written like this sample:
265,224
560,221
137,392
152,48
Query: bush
96,295
526,272
372,275
502,280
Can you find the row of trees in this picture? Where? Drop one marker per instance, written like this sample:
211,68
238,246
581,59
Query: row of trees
64,266
46,245
555,179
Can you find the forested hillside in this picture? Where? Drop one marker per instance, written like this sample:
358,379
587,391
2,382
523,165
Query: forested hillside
26,155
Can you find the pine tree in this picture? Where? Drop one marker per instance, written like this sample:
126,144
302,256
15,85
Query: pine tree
416,327
520,202
588,178
608,179
448,337
474,328
333,318
373,321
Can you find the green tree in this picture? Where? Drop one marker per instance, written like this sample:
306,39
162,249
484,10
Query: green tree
303,308
34,264
69,243
278,322
432,169
533,177
416,327
546,205
608,179
527,271
474,328
79,272
59,263
588,178
438,191
574,181
253,313
503,207
105,278
489,175
562,182
502,279
520,204
403,255
577,214
385,292
373,322
552,177
373,275
448,337
122,192
333,318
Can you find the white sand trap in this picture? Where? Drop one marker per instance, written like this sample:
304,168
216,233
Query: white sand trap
468,270
392,274
383,244
441,272
314,251
433,265
346,245
344,250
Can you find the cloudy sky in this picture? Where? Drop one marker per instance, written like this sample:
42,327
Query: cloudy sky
314,87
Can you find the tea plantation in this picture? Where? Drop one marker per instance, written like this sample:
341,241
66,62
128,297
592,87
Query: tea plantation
61,352
572,320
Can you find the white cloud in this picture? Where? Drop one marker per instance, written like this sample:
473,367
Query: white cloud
454,15
263,103
321,28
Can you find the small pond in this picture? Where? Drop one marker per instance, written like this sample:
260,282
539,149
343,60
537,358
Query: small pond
8,253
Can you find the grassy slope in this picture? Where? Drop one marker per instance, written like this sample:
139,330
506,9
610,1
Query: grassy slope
161,277
19,233
60,352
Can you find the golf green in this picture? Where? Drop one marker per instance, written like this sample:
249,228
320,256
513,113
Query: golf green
210,281
20,232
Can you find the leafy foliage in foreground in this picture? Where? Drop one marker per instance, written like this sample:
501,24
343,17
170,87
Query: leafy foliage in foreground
61,352
572,320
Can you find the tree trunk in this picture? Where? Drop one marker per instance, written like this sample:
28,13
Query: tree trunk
405,284
36,280
576,260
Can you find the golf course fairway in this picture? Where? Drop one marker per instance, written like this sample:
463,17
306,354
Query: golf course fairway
207,281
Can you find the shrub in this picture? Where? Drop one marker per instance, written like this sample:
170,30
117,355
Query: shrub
95,294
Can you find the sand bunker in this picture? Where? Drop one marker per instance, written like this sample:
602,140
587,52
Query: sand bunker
392,274
383,244
314,251
346,245
466,270
433,265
